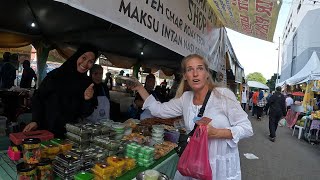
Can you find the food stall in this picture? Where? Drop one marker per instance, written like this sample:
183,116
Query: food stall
148,33
127,148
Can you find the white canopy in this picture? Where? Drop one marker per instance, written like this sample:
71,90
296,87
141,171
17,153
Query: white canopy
311,71
257,84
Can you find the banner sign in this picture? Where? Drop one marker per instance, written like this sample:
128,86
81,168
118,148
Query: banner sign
183,26
257,18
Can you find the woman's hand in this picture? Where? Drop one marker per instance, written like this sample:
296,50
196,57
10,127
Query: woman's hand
214,133
88,93
133,84
204,121
30,127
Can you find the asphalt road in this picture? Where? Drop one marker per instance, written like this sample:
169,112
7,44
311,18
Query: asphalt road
288,158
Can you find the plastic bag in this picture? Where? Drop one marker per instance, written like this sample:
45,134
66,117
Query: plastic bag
194,161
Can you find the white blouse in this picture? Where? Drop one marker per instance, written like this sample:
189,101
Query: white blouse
225,112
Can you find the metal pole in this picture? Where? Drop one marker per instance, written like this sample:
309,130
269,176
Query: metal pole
277,81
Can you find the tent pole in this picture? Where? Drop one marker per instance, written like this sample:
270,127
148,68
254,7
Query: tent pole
43,50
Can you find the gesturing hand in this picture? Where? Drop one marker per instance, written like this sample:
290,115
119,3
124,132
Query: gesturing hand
88,93
204,121
31,126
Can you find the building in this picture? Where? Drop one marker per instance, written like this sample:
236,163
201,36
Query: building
300,37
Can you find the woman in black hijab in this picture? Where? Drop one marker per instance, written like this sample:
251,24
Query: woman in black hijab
65,95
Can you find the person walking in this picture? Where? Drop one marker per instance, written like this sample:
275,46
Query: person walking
260,105
277,111
255,102
250,100
266,108
244,99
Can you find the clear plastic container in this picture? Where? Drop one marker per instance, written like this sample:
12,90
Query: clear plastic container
83,176
113,145
158,128
65,171
118,126
78,129
151,174
77,138
49,148
68,160
157,134
45,169
64,176
103,169
31,150
64,145
26,171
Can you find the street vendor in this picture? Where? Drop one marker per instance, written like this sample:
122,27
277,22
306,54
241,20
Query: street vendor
228,122
65,95
101,93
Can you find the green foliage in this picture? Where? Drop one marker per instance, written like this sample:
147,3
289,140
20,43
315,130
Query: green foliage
272,82
256,76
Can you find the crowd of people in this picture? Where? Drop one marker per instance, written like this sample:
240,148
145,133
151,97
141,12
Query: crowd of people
274,104
8,72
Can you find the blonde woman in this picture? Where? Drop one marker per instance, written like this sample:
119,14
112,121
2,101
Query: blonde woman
229,123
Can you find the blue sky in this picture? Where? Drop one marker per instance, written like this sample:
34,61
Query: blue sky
257,55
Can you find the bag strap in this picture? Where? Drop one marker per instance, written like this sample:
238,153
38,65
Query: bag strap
200,114
203,107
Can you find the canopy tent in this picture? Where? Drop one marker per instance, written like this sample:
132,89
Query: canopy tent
311,71
257,84
62,27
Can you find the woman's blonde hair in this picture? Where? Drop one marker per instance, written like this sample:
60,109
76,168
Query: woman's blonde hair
184,86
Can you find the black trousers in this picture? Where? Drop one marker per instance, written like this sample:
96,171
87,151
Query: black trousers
259,111
243,105
254,110
273,125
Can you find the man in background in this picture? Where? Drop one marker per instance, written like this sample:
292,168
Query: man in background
27,75
8,71
135,110
243,99
277,110
289,101
255,98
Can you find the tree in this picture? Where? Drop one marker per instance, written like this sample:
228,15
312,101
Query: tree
271,83
256,76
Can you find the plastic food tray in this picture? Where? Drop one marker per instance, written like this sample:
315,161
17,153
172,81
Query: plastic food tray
65,170
78,129
68,160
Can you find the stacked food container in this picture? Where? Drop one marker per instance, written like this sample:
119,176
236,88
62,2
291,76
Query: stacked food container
143,154
79,134
66,166
157,134
119,128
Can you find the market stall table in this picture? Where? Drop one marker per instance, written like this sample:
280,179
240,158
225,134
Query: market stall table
166,165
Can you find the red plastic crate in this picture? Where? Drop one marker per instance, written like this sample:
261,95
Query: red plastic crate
43,135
